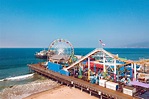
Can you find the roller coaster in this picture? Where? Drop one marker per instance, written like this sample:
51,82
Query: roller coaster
99,67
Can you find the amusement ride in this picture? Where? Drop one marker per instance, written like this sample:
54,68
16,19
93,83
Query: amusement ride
98,67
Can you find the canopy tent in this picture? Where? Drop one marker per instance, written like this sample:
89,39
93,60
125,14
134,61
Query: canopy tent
139,84
145,95
94,64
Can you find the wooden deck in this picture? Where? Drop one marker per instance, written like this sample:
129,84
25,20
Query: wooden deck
97,90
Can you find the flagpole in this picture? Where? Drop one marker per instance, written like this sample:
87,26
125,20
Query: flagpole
101,44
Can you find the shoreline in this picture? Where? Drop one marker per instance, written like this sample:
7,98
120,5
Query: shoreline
43,88
24,90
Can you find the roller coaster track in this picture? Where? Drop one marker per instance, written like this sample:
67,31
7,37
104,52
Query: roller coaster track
88,55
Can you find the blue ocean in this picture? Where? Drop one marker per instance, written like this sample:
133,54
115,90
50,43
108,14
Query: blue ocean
13,61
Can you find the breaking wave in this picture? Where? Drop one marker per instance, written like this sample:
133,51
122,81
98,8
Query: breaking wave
22,77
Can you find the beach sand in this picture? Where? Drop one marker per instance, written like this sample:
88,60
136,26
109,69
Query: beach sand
62,92
43,89
21,91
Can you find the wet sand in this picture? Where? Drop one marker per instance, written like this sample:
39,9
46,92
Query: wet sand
62,92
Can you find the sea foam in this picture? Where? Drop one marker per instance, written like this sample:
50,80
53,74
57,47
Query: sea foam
18,77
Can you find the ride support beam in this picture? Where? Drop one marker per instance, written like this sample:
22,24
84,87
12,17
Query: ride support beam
104,61
115,70
88,68
135,71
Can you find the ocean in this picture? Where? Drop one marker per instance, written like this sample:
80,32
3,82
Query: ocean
13,61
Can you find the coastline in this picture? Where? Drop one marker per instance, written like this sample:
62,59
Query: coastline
13,93
43,88
24,90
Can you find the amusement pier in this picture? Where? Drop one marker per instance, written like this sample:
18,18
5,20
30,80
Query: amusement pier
98,73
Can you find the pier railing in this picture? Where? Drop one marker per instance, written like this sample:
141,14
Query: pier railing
83,85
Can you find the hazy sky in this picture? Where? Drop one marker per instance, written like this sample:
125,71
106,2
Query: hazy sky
36,23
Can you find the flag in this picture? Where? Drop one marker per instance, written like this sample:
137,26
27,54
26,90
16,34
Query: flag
101,43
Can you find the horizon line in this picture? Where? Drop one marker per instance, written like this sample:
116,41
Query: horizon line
74,47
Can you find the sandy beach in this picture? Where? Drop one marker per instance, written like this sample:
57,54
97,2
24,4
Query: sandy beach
43,89
62,92
21,91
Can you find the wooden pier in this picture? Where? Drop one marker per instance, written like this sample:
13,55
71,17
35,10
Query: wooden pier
92,89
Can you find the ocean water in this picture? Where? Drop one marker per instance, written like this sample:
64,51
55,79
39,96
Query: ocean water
129,53
13,61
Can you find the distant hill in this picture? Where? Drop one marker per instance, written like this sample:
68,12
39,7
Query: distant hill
139,45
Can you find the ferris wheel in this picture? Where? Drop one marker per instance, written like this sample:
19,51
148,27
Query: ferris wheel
61,48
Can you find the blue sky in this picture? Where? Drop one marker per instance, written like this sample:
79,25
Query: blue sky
36,23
